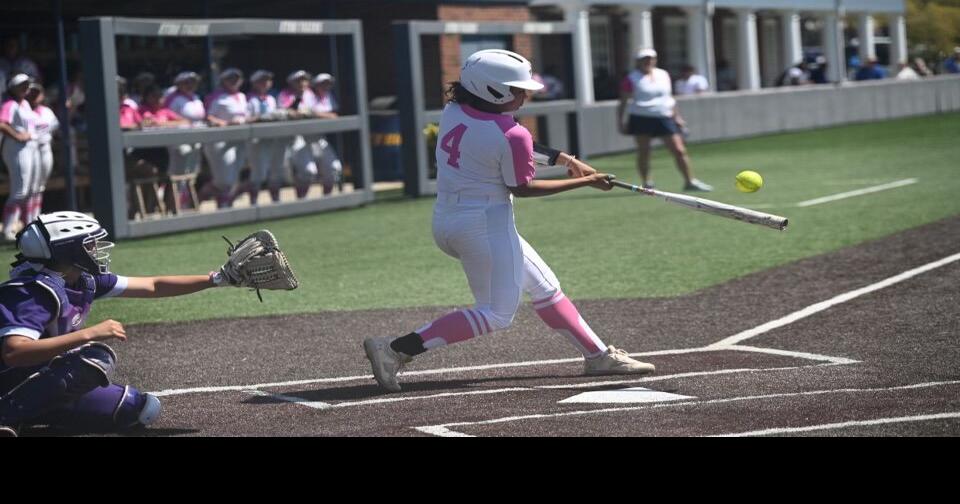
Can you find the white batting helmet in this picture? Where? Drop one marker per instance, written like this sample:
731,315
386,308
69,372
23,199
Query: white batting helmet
490,74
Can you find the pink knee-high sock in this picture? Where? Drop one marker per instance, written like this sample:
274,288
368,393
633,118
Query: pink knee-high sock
560,314
26,208
37,206
453,328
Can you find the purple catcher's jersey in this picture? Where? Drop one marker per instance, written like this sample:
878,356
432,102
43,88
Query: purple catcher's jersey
40,304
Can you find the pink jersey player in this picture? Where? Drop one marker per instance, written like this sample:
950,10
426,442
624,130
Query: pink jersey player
225,107
484,159
47,125
18,123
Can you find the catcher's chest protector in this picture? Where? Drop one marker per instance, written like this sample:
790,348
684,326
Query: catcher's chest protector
73,303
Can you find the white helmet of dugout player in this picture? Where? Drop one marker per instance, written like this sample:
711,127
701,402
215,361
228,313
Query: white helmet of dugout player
490,74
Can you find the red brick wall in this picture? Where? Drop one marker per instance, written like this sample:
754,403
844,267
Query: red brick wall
450,44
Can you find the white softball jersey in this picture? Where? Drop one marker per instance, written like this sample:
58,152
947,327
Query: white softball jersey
47,124
480,156
186,106
227,106
652,94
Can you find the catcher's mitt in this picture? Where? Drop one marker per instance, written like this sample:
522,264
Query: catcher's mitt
257,262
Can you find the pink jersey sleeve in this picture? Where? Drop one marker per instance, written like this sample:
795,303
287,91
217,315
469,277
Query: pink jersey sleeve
6,111
626,86
129,117
517,167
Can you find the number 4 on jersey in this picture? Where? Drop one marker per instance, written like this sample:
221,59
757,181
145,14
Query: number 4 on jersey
451,144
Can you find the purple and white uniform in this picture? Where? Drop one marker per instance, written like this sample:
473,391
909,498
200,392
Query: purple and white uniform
480,156
226,158
22,160
185,158
40,305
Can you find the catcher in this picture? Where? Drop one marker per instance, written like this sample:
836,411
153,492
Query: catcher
55,371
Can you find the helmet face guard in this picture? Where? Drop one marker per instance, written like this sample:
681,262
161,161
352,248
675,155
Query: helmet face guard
67,238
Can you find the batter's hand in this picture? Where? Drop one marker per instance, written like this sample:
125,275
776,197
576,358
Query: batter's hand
601,181
577,168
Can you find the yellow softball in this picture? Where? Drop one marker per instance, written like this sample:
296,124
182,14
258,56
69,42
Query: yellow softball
749,181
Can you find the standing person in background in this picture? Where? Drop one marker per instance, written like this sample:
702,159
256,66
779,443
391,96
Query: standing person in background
951,65
299,101
265,154
691,83
324,155
141,82
185,158
227,106
797,75
47,125
18,124
130,117
920,66
871,71
906,72
645,95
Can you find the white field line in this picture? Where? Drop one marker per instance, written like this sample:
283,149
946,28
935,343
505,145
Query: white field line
836,197
729,343
394,399
842,425
858,192
446,428
823,305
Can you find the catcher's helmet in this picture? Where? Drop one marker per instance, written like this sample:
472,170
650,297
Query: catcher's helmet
490,74
66,238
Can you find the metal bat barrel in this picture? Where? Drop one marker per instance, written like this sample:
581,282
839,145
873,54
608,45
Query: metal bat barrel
712,207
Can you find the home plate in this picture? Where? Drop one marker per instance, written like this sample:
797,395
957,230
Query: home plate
627,395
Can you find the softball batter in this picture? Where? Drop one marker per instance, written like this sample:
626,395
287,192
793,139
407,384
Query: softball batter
485,158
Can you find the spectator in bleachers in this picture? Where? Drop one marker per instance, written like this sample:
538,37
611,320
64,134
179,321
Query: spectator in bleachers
47,125
299,101
871,71
13,63
952,64
18,127
906,72
920,66
185,158
265,154
797,75
328,164
226,106
818,70
690,82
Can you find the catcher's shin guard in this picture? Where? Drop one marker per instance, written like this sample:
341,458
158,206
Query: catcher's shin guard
67,378
114,407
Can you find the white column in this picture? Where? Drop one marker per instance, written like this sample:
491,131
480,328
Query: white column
834,47
700,43
578,13
865,33
792,44
748,54
898,40
641,30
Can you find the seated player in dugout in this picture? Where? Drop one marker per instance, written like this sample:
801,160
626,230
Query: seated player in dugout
53,370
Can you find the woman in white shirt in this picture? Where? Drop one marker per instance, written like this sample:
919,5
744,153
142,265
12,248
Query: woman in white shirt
18,127
646,93
47,125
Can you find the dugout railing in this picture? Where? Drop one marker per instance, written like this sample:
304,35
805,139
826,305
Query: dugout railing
107,141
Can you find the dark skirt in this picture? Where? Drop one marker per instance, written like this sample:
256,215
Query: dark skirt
652,126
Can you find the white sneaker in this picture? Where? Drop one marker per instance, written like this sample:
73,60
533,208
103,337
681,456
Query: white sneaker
151,410
615,361
386,362
696,185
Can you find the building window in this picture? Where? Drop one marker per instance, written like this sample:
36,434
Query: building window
672,55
